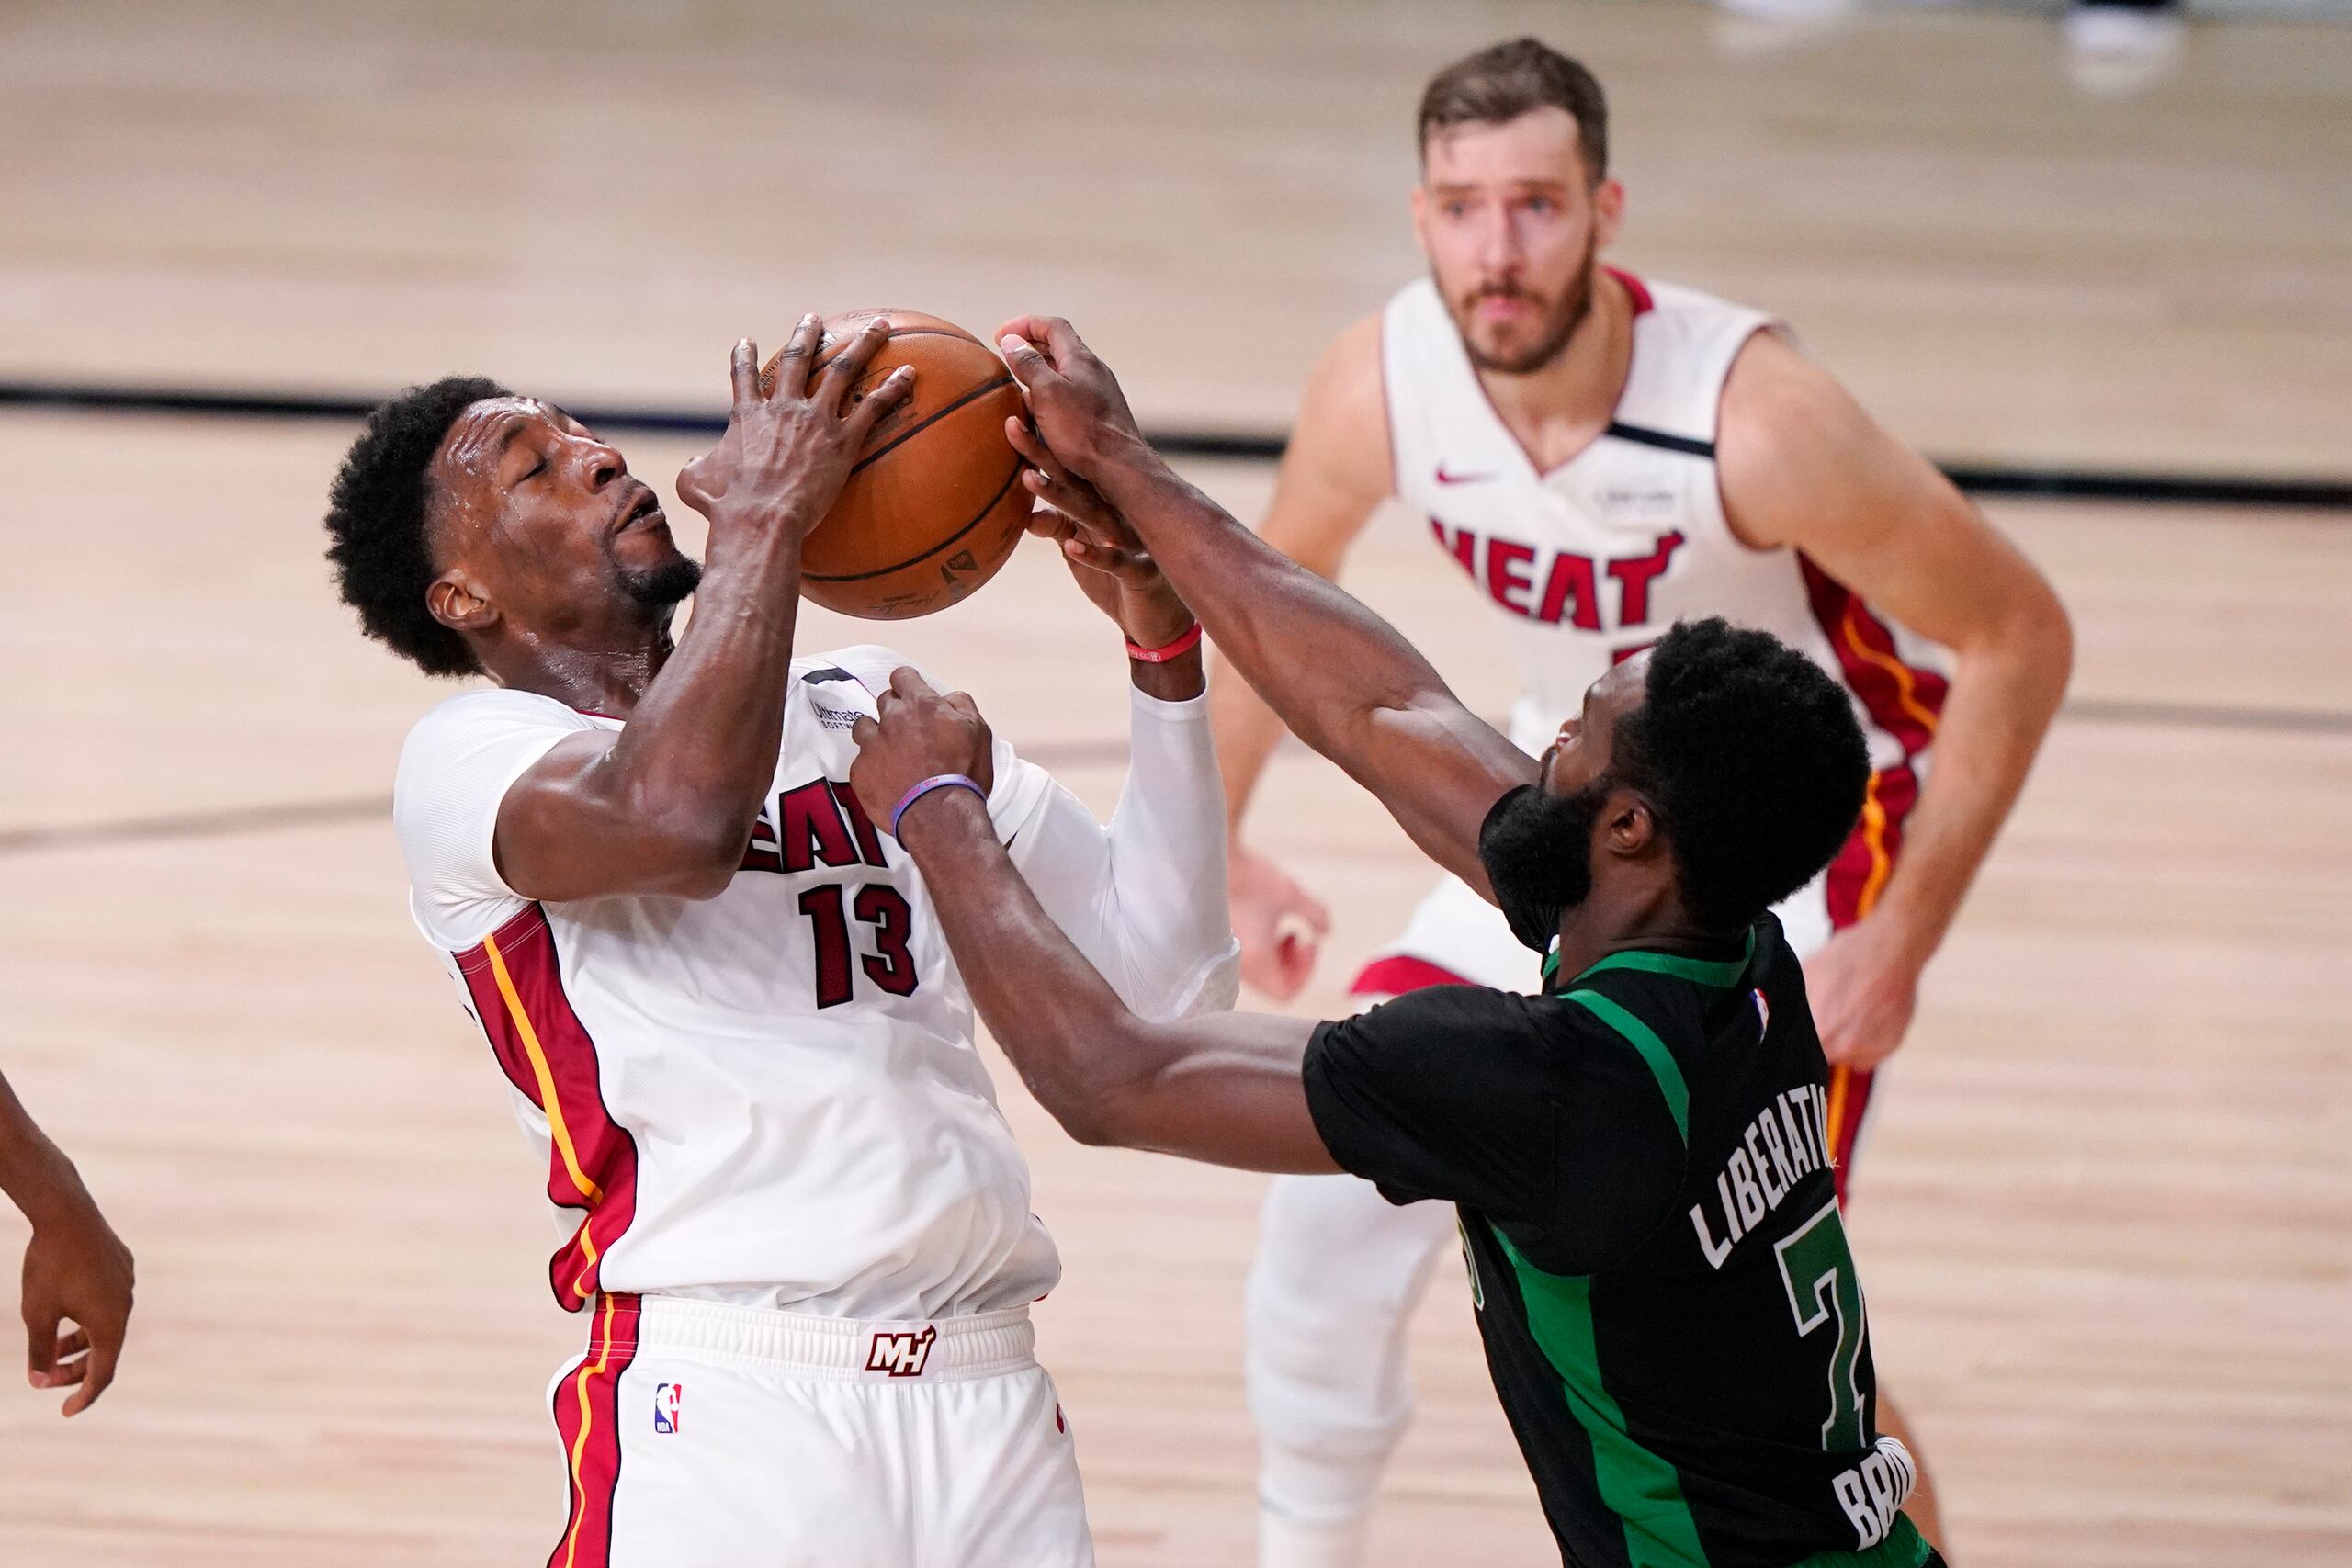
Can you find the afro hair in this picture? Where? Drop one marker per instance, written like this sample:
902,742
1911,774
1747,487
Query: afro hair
376,520
1751,754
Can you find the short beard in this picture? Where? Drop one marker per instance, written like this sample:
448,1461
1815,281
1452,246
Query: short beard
661,587
1537,852
1576,304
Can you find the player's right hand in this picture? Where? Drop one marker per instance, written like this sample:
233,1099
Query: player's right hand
917,733
77,1268
790,445
1074,400
1281,926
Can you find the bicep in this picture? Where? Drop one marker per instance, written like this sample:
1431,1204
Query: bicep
1802,465
1225,1088
570,828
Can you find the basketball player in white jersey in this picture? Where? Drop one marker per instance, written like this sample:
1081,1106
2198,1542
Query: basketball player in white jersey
1600,455
789,1208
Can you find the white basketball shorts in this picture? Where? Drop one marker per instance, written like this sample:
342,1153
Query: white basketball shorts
701,1435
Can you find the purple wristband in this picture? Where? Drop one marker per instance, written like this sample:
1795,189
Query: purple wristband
940,781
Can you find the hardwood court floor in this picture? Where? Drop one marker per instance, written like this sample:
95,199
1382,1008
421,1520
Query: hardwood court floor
2107,1219
596,199
2105,1222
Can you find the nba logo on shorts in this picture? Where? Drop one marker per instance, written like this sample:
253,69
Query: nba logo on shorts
666,1405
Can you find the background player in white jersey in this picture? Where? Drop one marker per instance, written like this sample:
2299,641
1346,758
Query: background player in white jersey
1602,455
790,1208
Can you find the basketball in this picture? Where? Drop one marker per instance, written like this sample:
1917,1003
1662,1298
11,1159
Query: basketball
934,505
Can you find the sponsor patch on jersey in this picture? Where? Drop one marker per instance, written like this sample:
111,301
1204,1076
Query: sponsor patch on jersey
667,1397
1617,502
833,717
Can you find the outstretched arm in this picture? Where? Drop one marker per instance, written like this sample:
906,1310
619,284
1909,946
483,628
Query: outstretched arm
1803,467
1342,678
1142,898
1219,1087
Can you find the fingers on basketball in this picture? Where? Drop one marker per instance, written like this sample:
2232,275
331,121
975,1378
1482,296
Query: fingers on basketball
933,507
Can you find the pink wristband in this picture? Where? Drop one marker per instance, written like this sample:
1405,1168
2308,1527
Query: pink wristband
938,780
1182,645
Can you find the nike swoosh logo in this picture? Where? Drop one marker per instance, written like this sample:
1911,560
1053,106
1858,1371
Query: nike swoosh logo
1445,478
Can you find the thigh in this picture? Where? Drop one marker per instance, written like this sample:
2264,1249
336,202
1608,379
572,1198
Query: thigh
998,1474
721,1465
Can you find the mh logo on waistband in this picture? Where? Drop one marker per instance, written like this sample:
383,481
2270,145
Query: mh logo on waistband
900,1355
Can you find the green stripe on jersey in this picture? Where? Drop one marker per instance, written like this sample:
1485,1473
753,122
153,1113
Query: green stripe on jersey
1642,1039
1722,975
1642,1489
1904,1547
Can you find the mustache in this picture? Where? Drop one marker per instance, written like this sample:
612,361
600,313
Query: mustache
1507,291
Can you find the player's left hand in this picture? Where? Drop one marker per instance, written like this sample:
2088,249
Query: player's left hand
1102,552
1864,985
1074,400
919,734
77,1269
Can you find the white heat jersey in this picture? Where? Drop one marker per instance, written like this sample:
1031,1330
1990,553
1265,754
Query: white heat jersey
772,1096
1595,559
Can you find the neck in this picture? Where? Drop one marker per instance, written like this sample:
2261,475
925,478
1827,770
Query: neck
606,675
1649,920
1574,394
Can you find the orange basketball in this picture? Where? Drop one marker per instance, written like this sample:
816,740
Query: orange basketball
935,504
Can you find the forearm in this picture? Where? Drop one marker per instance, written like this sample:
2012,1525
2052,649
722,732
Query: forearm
1143,898
34,1172
1221,1087
1166,853
1340,678
703,741
1064,1028
1319,659
2000,705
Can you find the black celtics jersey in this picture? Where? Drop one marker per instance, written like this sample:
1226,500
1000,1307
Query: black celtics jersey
1670,1312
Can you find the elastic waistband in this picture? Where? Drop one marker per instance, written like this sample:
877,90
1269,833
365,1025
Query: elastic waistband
827,1349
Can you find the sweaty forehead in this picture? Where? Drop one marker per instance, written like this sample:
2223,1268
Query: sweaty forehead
479,436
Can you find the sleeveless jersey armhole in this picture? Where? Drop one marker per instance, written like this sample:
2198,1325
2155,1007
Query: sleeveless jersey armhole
1765,325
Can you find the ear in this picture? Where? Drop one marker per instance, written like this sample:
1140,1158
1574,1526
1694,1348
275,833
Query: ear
1607,213
1421,215
459,602
1629,827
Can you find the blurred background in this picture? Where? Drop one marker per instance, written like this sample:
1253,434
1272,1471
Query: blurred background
2100,266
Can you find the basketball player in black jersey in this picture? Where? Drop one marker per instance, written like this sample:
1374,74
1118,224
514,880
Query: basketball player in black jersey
1638,1154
